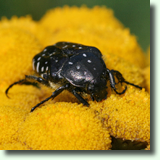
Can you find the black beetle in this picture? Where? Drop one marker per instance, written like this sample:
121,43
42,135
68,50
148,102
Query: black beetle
76,68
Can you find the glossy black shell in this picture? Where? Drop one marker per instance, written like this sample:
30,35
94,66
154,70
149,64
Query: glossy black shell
76,63
80,65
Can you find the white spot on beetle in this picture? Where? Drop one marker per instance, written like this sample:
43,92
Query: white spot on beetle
37,67
80,47
40,79
45,50
70,63
42,75
46,62
38,58
78,67
42,69
51,53
89,61
56,60
73,45
47,68
84,55
85,73
65,46
43,55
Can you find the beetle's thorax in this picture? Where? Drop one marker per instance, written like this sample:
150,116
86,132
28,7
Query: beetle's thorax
83,68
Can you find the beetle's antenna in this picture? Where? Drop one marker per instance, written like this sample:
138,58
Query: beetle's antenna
18,82
132,84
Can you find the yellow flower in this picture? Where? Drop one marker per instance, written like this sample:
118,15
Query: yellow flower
16,52
27,24
127,116
62,123
130,72
74,17
64,126
24,97
23,23
97,27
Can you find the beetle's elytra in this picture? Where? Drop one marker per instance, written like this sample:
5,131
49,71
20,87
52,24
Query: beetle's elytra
76,68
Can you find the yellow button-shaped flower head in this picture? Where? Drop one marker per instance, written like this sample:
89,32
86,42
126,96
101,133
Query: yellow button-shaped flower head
97,27
127,116
64,126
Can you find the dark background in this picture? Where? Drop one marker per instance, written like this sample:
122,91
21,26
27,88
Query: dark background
134,14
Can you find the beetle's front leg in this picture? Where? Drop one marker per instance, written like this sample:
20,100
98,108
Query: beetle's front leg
73,91
54,94
18,82
36,79
28,78
120,78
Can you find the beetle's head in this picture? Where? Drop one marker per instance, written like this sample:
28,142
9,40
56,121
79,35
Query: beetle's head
98,91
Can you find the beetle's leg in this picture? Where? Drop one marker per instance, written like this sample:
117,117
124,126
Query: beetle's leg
79,98
120,78
111,78
37,79
54,94
18,82
27,78
118,75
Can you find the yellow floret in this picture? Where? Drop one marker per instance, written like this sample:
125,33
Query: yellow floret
64,126
16,52
127,116
97,27
10,119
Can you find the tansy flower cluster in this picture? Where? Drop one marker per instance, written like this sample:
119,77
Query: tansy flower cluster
63,123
